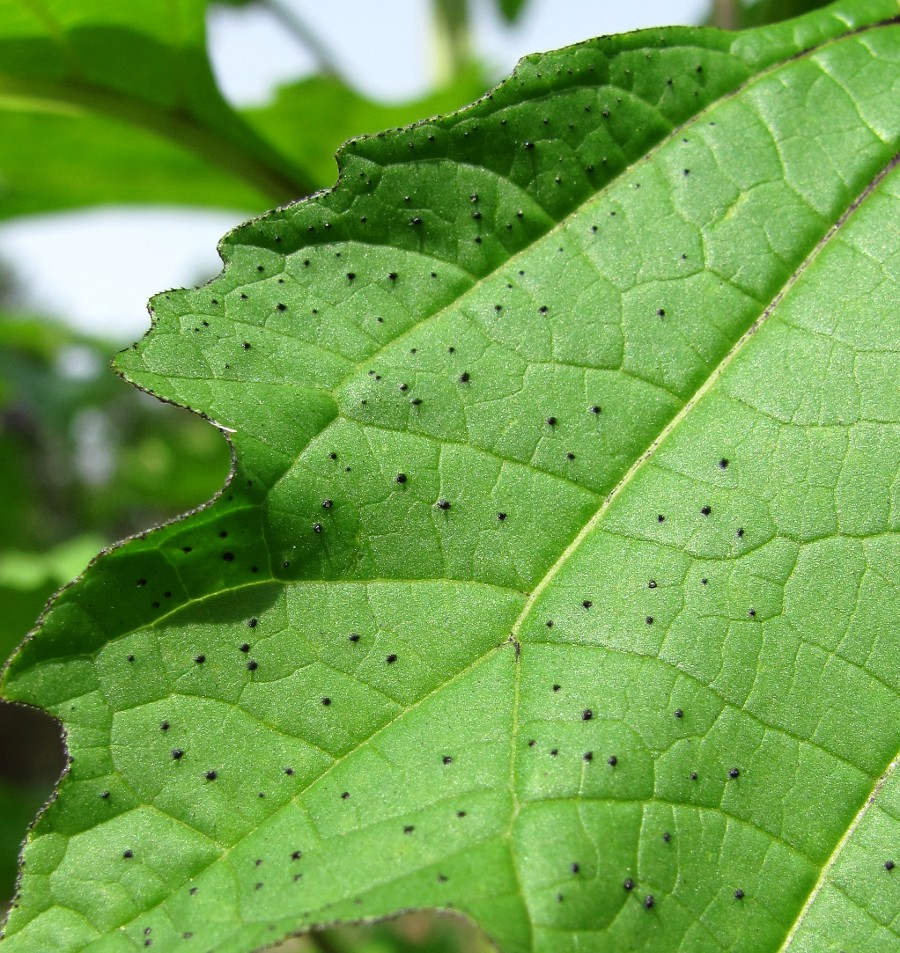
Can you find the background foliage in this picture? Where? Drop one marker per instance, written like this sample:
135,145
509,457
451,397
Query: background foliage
85,459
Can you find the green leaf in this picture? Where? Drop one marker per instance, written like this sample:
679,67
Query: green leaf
63,156
758,12
554,583
69,157
83,70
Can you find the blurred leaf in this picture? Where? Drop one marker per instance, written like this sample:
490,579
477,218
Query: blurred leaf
53,567
139,63
752,13
79,450
511,10
21,608
71,158
310,119
61,157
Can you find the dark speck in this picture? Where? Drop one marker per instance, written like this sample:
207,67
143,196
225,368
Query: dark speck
211,775
651,584
391,659
587,604
326,701
128,854
354,637
889,865
740,532
501,516
464,377
400,478
706,510
228,556
723,464
199,659
628,883
252,665
612,760
649,901
739,894
587,714
443,504
551,421
679,713
734,773
588,756
667,837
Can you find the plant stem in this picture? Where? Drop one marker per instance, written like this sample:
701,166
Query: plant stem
306,36
452,39
725,14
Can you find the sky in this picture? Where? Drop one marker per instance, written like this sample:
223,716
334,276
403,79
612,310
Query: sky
97,269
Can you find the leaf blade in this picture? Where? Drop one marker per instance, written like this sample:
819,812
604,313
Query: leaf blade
398,721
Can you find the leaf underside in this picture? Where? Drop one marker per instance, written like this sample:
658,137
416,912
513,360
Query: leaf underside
555,582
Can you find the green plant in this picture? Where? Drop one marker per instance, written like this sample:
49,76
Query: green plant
555,579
